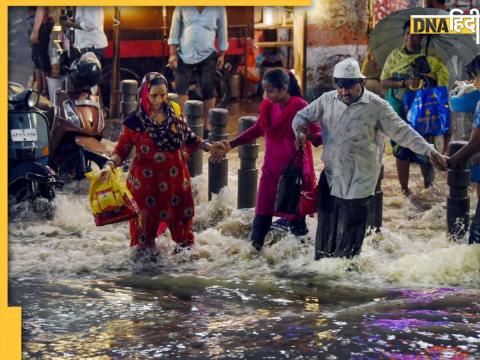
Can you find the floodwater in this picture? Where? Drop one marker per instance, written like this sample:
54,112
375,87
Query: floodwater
411,294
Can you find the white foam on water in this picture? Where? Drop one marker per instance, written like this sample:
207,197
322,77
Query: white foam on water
68,244
411,250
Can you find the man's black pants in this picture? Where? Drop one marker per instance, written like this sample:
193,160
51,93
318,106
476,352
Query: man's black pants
342,224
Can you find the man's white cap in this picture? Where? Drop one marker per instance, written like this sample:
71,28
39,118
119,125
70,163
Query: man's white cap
348,69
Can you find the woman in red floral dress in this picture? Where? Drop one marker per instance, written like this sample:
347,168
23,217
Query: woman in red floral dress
159,179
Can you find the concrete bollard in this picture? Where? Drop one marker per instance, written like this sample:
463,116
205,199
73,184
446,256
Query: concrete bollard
129,96
375,214
458,201
194,113
247,174
217,173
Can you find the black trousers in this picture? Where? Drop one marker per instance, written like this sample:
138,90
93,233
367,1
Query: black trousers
262,224
474,237
260,228
40,53
342,224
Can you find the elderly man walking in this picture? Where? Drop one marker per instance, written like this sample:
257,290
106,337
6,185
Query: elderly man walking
354,122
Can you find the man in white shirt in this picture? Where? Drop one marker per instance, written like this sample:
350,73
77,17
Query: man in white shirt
88,25
354,122
192,50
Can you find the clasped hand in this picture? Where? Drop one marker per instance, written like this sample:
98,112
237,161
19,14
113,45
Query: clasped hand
438,160
218,151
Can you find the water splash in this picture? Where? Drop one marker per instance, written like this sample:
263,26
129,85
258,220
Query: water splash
412,249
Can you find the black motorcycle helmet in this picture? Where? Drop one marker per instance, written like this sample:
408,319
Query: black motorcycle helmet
85,72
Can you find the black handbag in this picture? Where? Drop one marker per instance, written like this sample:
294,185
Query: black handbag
289,187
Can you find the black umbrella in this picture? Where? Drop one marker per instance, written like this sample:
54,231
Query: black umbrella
454,50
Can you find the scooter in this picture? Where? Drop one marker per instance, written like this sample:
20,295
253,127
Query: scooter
75,138
29,176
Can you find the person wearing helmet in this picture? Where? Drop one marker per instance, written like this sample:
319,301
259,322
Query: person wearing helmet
353,122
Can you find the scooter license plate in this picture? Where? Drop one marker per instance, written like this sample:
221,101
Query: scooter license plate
23,135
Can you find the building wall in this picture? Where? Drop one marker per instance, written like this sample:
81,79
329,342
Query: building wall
337,29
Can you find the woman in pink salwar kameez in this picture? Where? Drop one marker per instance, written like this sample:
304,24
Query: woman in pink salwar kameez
282,101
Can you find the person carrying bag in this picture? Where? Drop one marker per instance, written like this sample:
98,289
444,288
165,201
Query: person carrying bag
291,197
282,101
354,122
414,79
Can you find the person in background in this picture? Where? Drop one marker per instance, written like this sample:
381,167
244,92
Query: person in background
472,147
440,4
159,179
88,25
398,77
282,101
40,26
372,71
192,51
353,122
269,58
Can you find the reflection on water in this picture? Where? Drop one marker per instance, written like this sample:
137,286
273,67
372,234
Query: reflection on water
411,294
144,317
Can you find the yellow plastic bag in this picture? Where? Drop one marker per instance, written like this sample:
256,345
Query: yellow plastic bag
110,200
